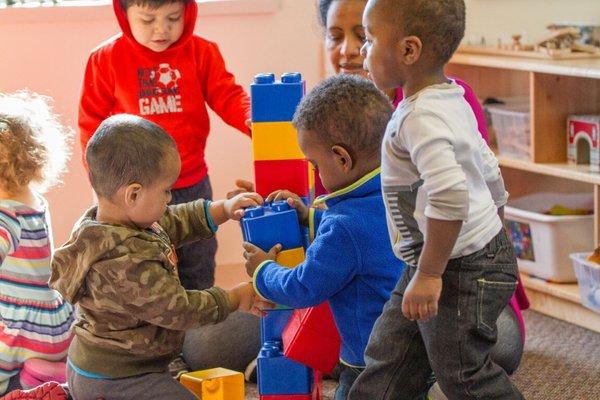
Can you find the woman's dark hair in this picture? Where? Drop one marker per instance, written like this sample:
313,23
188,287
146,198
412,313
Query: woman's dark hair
323,10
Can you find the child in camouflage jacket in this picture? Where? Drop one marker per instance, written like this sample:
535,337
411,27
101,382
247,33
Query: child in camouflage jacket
120,267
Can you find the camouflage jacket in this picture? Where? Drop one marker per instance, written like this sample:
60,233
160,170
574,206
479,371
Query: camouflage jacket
132,309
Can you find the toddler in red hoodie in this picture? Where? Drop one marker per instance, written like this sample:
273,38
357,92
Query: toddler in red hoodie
160,70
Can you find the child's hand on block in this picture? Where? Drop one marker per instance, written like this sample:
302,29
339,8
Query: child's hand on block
421,297
294,201
242,186
234,207
255,256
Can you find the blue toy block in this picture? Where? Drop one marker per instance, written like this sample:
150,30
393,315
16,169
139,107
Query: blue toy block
273,223
276,101
278,374
272,324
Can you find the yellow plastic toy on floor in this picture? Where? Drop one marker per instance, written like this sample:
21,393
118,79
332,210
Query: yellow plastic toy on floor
215,384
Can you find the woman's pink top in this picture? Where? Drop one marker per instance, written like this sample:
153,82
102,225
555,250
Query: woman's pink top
469,97
519,300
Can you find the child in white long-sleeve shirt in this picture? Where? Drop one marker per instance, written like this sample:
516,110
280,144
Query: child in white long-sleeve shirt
444,196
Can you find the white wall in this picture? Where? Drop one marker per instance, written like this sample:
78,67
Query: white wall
502,18
45,49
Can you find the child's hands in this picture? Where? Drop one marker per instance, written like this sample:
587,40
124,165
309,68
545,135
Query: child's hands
255,256
234,207
421,297
241,297
242,186
294,201
260,305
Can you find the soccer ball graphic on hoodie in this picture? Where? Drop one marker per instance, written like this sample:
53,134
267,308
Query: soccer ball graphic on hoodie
167,77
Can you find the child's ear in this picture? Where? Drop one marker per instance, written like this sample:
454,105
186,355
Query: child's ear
132,193
411,49
343,157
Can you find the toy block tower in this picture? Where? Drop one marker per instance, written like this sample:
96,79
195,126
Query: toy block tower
280,164
278,161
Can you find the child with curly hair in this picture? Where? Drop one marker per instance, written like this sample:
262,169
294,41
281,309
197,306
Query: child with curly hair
35,321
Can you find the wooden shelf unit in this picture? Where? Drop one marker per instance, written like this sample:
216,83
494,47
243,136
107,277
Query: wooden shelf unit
555,89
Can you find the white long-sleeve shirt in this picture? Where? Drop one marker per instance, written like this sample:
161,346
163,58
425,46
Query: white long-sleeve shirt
435,164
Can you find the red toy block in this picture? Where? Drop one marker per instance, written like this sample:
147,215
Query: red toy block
317,385
312,338
271,175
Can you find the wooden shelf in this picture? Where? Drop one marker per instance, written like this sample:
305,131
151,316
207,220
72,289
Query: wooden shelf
580,173
556,89
560,300
585,68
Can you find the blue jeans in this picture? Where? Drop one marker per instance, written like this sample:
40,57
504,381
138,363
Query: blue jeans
347,377
455,345
196,260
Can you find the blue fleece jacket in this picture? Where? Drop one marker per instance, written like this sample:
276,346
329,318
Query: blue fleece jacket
350,263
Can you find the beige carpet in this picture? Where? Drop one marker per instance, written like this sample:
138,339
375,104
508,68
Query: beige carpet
561,362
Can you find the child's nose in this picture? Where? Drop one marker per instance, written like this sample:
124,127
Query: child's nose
363,50
161,27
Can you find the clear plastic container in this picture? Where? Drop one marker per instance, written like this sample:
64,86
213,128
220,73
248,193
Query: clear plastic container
588,277
511,123
544,242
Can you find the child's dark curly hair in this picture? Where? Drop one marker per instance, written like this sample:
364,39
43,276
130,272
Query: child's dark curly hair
346,110
33,143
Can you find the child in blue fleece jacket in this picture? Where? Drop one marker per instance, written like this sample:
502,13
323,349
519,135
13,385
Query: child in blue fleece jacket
350,262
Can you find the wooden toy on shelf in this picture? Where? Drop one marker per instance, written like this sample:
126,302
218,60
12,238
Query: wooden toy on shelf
561,43
583,143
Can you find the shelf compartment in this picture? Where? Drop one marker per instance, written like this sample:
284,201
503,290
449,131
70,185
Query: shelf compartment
575,68
580,173
560,300
553,99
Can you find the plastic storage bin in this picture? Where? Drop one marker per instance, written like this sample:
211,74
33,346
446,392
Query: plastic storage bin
511,123
544,242
588,276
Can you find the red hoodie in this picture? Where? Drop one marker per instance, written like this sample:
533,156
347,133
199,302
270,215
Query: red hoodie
170,88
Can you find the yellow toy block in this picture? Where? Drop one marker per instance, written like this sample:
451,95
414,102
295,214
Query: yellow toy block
311,182
290,258
275,141
215,384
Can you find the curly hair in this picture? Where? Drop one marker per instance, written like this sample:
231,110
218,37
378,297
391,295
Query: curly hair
346,110
33,143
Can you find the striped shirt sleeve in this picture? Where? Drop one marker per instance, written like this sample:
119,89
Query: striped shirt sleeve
10,232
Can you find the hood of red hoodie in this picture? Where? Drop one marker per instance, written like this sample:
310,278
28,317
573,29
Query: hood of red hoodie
189,22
